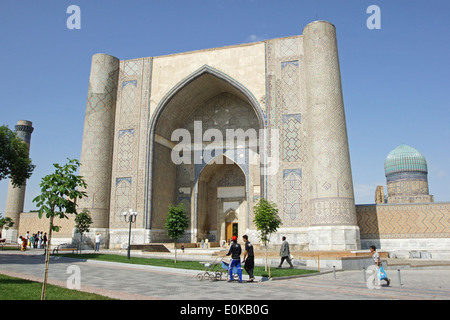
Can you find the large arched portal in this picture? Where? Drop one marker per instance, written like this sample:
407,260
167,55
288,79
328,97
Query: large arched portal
203,142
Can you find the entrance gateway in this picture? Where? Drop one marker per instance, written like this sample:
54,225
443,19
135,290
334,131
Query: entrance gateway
140,112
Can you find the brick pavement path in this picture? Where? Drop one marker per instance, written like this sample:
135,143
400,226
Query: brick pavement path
131,282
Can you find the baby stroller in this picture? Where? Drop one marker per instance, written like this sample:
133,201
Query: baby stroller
226,266
212,272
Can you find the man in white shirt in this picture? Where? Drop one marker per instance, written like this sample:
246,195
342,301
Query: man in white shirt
377,260
98,239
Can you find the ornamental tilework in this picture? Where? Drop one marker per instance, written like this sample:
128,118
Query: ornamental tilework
133,67
404,221
291,137
128,105
289,47
331,188
132,113
123,198
290,85
98,135
125,150
332,211
284,106
292,194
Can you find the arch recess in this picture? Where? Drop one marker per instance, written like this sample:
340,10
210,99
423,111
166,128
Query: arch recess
171,113
240,90
220,189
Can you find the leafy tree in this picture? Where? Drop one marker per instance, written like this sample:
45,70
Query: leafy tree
15,163
266,221
176,223
58,199
6,222
83,221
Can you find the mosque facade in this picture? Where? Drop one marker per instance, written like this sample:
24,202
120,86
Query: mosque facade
219,129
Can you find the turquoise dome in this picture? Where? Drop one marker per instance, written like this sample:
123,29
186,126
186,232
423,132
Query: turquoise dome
405,159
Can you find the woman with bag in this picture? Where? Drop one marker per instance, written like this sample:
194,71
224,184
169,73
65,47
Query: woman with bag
380,271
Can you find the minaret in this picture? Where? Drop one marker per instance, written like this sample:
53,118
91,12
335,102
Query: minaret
16,195
97,148
333,224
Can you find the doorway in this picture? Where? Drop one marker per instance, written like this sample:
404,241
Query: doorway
232,229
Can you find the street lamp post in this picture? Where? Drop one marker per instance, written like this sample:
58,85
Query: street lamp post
130,217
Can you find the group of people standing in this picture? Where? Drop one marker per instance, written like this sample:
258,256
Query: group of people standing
249,257
36,240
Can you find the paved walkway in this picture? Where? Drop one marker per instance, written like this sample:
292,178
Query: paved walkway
134,282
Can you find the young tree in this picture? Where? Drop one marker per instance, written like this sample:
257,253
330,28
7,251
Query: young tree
83,221
14,158
58,199
7,223
266,221
176,223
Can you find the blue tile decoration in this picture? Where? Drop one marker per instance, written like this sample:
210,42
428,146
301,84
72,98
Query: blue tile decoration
291,137
133,82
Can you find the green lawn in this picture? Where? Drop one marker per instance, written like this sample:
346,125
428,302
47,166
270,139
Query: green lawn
20,289
12,248
192,265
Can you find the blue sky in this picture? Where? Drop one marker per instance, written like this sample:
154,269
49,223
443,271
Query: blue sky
395,80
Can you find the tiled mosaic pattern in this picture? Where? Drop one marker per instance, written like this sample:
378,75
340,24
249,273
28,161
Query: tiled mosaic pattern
98,137
123,198
405,159
128,102
292,194
408,188
404,221
290,80
286,111
292,144
130,138
332,200
125,150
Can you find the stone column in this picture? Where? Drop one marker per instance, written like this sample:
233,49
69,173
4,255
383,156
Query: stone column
97,147
333,224
16,195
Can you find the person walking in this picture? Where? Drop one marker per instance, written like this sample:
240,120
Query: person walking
249,258
98,239
44,240
377,262
27,238
36,240
40,240
285,253
235,252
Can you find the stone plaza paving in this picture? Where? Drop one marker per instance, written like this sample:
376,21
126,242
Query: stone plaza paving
134,282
